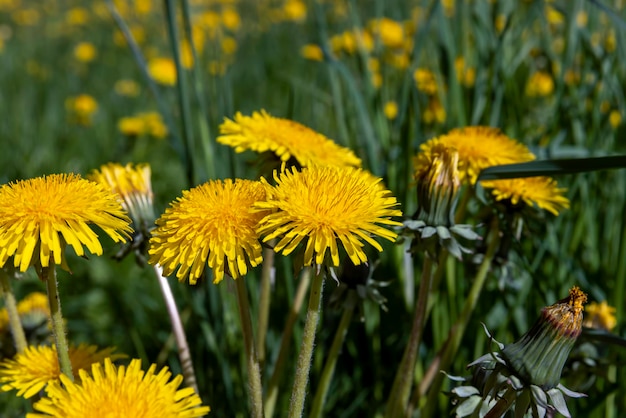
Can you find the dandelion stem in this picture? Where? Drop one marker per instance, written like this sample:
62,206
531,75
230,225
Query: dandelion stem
296,407
285,343
58,327
333,354
504,404
444,359
14,318
255,388
401,389
177,328
267,276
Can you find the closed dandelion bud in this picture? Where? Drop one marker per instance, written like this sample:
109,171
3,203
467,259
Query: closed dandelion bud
539,356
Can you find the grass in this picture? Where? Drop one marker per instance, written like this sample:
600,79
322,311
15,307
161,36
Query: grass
503,42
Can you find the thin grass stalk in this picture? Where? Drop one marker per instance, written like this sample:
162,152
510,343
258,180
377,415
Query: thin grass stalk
446,356
401,389
620,276
143,67
17,331
255,387
202,110
285,344
178,330
181,90
265,297
49,275
298,393
321,393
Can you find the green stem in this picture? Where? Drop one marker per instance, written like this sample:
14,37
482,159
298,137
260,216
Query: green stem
399,395
255,388
265,296
504,404
285,343
177,329
19,338
58,327
333,354
296,407
444,359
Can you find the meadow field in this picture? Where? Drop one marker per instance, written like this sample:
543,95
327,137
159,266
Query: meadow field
362,128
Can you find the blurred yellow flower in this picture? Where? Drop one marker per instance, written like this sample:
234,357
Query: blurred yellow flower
553,16
390,32
581,19
294,10
163,70
26,17
138,33
600,316
131,126
540,191
312,52
34,308
377,80
229,45
434,112
186,54
127,87
81,108
609,42
425,81
230,19
85,52
465,74
615,118
288,139
540,84
390,110
500,23
448,7
77,16
146,123
216,67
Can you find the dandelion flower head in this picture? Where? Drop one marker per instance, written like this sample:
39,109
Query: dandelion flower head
40,216
542,192
29,372
262,132
600,316
479,147
326,207
120,392
211,224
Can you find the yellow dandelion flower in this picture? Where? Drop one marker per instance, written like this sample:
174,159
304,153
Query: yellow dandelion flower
262,132
127,87
434,112
312,52
77,16
39,217
479,147
154,124
425,81
231,19
600,316
211,224
85,52
229,45
294,10
328,207
539,84
162,70
390,110
33,310
38,366
540,191
82,108
132,184
120,392
581,19
615,118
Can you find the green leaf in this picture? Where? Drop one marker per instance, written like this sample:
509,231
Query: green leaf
552,167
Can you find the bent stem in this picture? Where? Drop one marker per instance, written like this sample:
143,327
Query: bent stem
255,388
285,344
333,354
19,338
296,406
177,328
448,352
401,389
58,327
